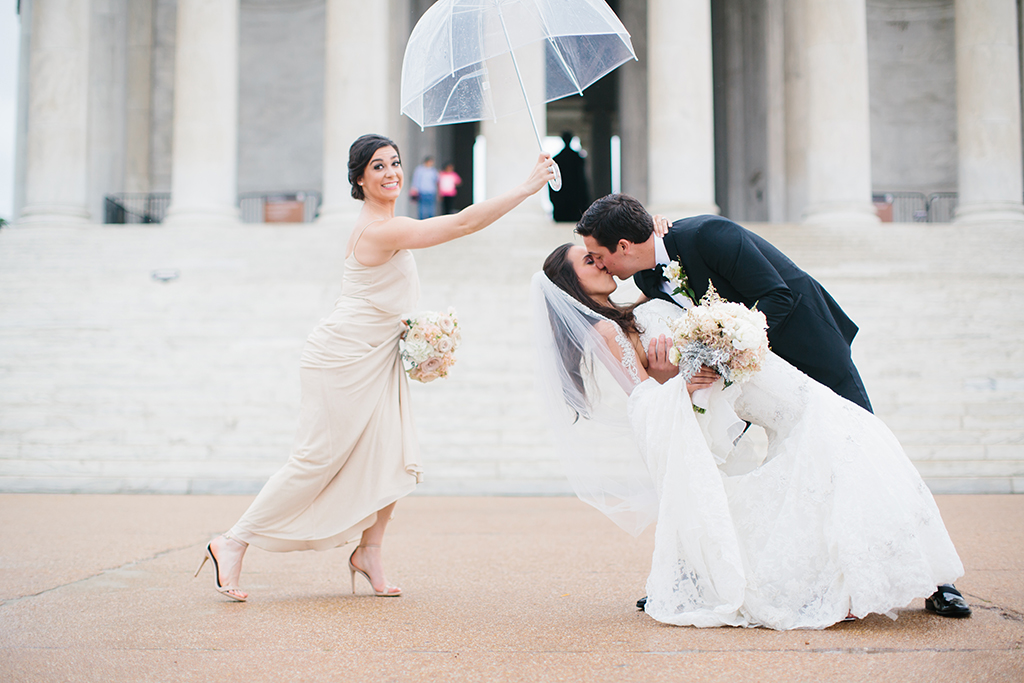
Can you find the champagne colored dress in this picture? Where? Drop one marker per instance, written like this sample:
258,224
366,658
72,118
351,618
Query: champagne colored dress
355,449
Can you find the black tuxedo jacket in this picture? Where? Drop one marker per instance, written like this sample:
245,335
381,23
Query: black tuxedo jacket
805,324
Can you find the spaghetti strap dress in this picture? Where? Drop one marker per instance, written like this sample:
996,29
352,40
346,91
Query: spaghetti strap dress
355,450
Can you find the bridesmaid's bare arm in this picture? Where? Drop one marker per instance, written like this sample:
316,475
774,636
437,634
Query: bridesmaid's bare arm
382,240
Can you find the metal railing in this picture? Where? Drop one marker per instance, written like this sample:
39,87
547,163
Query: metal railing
902,207
255,207
915,207
279,207
942,207
135,207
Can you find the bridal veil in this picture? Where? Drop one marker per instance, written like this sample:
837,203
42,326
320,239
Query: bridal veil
585,390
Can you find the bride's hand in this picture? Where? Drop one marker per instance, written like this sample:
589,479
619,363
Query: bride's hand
658,365
543,171
702,380
661,225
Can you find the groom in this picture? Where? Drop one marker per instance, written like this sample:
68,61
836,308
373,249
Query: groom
806,326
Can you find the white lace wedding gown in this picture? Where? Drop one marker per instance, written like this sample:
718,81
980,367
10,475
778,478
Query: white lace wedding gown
835,520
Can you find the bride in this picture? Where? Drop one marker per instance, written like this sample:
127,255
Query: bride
833,521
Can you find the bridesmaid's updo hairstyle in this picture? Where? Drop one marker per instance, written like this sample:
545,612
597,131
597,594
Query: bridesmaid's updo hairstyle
360,154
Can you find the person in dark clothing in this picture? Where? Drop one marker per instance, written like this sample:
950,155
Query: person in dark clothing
573,199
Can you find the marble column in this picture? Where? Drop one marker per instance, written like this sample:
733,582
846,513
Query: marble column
356,98
204,153
838,136
139,93
680,109
775,124
988,112
56,148
21,129
632,82
511,142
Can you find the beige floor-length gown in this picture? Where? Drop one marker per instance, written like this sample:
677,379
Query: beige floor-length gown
355,449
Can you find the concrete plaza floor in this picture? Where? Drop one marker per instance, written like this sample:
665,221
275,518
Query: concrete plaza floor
100,588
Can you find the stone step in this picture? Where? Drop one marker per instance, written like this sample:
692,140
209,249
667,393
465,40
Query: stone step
112,381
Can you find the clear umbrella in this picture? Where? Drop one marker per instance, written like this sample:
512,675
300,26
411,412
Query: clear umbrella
460,63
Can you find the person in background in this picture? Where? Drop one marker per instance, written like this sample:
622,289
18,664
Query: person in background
424,188
572,200
448,182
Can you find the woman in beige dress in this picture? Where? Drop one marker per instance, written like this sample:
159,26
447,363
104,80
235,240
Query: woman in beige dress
355,451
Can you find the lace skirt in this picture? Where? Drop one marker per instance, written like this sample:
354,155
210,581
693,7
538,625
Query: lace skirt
836,519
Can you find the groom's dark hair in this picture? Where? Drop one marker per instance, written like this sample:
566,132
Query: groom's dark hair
616,217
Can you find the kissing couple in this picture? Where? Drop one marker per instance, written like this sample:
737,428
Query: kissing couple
831,522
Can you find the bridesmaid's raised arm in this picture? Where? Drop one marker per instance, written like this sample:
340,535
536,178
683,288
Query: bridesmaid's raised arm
402,232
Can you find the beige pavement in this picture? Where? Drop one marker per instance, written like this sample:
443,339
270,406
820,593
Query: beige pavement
100,588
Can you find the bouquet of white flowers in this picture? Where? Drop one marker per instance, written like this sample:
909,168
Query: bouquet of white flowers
725,336
429,344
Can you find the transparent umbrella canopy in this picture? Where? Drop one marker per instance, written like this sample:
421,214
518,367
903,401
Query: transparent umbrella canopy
461,65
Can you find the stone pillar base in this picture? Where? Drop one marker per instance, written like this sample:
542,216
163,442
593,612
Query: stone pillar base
987,213
49,214
841,213
675,211
201,215
340,214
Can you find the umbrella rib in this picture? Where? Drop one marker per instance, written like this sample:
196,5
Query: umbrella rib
551,40
455,87
572,76
451,39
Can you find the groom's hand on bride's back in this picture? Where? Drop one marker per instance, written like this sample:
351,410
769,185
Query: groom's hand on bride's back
658,365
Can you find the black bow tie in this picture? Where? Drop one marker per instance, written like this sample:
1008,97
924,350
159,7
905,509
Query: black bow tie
659,270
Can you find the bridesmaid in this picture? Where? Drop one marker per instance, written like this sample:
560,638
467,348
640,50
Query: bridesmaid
355,452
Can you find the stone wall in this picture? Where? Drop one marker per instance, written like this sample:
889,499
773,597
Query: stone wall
912,77
281,95
165,22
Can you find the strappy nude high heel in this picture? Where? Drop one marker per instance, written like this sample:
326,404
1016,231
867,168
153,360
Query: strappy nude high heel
388,592
232,592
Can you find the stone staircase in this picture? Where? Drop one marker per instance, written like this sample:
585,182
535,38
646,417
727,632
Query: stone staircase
112,381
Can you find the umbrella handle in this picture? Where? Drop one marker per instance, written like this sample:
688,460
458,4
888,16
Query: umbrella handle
556,182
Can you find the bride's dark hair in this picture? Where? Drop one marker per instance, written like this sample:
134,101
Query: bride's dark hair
559,269
561,272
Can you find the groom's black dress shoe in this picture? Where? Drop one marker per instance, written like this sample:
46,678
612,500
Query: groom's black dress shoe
947,602
641,603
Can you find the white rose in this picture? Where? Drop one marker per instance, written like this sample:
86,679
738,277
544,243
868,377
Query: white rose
416,350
